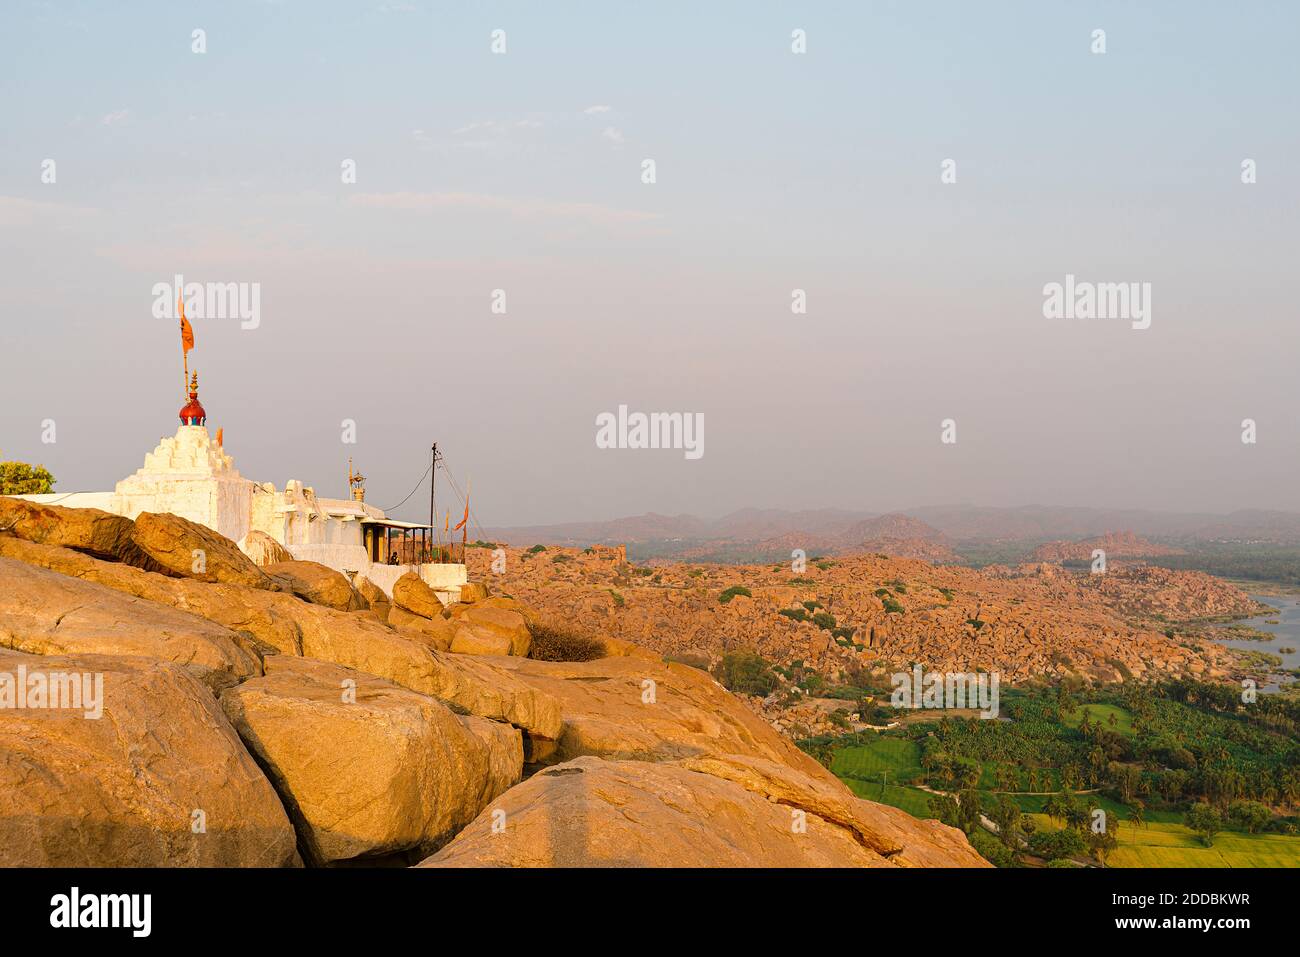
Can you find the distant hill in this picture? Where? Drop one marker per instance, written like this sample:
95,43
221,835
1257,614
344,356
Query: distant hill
752,534
1114,544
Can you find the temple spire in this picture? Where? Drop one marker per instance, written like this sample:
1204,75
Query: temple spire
193,412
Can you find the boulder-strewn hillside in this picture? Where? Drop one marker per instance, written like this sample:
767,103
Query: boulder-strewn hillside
869,611
1114,544
281,715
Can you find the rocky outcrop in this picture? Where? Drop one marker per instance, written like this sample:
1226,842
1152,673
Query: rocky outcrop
376,598
294,627
160,780
594,813
368,768
45,613
412,593
85,529
380,745
318,584
472,592
482,629
189,550
880,614
263,550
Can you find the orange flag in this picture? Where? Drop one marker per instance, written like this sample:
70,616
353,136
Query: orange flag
447,525
187,331
220,433
466,518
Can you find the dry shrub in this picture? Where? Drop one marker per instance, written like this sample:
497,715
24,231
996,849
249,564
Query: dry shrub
559,644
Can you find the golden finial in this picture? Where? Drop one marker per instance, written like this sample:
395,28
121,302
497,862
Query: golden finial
194,383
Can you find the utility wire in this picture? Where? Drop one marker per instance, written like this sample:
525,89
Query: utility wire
412,492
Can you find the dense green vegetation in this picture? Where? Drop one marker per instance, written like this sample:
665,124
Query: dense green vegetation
745,672
1254,561
1184,758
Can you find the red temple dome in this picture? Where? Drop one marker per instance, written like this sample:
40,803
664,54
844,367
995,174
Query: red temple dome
193,412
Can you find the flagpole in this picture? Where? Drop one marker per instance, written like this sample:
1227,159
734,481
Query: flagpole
185,353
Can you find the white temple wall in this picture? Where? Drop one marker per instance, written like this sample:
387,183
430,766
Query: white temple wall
188,474
344,558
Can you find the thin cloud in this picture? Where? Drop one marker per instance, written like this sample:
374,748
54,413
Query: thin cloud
16,211
117,116
599,108
513,206
613,134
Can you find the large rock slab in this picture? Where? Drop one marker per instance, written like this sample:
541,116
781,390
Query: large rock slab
595,813
492,627
472,641
376,598
160,780
88,530
437,633
45,613
885,830
629,707
263,550
318,584
632,707
368,768
190,550
414,594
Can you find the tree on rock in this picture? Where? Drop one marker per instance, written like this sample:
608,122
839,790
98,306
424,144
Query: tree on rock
19,478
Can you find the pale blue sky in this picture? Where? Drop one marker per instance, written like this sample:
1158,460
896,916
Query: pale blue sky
775,171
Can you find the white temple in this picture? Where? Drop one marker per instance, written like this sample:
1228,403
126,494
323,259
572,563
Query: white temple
190,474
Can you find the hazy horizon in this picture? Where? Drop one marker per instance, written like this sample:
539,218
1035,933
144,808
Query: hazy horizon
522,171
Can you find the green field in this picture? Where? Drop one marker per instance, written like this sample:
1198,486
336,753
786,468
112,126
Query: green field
901,759
1173,845
898,757
1099,714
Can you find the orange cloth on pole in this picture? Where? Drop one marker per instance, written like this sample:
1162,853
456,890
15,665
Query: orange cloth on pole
187,331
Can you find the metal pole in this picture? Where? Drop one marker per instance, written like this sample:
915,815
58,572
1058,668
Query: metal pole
433,481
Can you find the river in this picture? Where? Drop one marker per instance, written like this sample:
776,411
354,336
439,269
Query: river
1286,632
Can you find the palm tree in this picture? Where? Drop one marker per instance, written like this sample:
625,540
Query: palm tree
1056,806
1135,814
